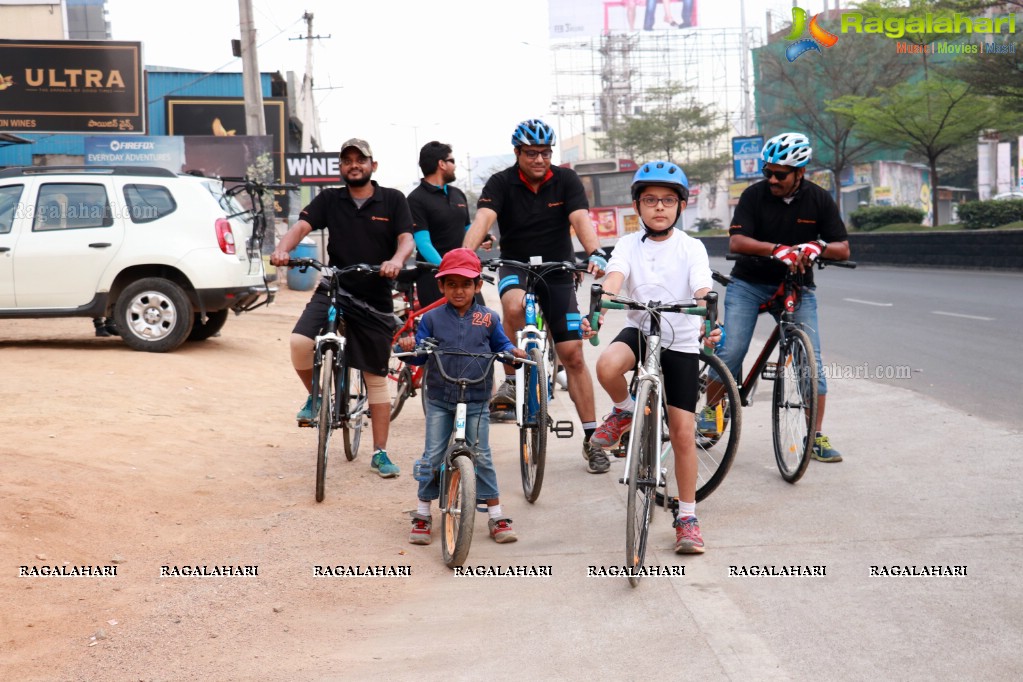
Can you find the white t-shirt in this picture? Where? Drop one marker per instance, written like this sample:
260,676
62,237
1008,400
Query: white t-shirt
669,271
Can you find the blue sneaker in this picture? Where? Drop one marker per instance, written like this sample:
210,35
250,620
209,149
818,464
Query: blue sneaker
306,415
707,422
822,450
382,465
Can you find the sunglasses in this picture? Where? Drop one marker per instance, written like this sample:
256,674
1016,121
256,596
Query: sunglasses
781,175
449,160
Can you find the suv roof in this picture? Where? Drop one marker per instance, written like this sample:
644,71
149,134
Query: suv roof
18,171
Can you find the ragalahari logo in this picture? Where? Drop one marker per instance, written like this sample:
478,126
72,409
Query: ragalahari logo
818,36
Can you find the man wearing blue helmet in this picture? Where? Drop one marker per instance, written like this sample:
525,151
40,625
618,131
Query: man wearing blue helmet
791,221
538,207
663,264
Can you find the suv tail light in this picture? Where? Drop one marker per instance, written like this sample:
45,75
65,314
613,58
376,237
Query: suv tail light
225,236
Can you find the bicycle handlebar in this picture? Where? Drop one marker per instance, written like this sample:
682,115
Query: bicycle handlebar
618,302
303,263
821,262
255,185
431,348
540,268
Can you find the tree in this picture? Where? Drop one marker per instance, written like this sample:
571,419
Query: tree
797,96
675,128
928,117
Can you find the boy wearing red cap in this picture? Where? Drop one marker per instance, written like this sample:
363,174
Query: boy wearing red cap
469,327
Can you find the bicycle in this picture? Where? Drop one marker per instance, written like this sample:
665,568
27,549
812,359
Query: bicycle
256,192
533,392
794,397
646,470
338,390
458,470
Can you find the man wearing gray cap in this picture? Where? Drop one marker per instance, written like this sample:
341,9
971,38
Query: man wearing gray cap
365,223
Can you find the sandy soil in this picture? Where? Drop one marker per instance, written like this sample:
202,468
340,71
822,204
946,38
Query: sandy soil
113,457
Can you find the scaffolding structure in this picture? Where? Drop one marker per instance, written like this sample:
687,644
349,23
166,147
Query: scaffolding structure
602,80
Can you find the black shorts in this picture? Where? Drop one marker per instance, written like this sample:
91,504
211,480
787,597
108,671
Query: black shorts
681,370
368,333
556,295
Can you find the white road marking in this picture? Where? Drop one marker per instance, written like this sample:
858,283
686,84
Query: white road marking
880,305
968,317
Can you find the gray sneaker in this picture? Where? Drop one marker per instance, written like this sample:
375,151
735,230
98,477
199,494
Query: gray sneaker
505,394
597,461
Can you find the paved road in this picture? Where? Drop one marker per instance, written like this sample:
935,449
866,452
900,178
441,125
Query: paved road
949,334
920,486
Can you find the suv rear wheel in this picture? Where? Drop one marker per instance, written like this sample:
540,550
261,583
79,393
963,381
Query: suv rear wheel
214,323
154,314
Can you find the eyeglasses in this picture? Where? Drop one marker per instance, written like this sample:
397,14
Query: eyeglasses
532,153
449,161
669,202
781,175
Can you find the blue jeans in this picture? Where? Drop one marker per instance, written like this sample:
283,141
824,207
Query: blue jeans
742,304
440,422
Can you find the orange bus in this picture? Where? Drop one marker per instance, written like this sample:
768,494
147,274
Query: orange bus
608,184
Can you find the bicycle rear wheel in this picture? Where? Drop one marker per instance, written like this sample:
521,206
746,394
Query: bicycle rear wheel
459,513
355,395
795,405
324,390
533,432
399,385
644,454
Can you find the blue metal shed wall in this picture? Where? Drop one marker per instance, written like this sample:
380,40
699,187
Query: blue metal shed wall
159,85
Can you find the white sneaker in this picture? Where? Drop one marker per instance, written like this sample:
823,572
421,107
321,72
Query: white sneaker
561,379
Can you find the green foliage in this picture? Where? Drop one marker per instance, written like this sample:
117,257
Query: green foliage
797,96
871,218
674,127
704,224
979,215
928,117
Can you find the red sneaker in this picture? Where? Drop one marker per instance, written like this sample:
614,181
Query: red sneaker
420,534
688,539
610,432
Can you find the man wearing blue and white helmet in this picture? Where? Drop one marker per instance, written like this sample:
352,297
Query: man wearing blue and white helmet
790,222
539,206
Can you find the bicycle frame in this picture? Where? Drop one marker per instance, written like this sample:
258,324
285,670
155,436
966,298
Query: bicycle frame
529,337
649,372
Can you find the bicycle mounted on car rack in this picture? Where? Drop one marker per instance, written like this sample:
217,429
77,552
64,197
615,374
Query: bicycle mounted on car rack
256,192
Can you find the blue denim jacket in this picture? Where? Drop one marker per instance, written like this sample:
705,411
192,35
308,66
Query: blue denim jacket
478,331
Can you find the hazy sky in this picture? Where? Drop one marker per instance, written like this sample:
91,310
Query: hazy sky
404,71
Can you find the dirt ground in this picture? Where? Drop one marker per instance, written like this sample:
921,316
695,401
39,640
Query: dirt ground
113,457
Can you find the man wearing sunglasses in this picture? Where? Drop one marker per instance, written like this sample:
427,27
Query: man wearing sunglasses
538,207
791,221
440,214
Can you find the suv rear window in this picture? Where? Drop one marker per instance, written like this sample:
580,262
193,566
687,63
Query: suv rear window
72,206
147,203
8,206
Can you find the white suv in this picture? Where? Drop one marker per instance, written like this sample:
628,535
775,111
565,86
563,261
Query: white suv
164,256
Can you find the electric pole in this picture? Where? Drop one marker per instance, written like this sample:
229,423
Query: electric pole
306,104
252,86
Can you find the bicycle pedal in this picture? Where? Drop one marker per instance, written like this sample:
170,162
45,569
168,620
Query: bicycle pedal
563,429
770,371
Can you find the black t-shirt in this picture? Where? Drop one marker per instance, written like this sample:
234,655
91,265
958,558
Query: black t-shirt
812,214
361,235
534,224
443,214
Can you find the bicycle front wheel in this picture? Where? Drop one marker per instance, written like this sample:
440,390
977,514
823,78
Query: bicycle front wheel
795,405
533,431
399,385
644,455
459,513
324,391
355,417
